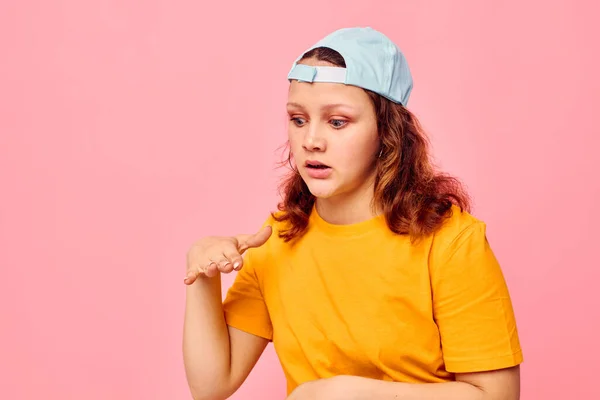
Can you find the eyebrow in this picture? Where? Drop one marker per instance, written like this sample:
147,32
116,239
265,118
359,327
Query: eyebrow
325,107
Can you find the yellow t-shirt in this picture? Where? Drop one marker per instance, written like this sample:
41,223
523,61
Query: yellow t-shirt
360,300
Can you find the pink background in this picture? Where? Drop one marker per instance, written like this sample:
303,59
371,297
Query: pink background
130,129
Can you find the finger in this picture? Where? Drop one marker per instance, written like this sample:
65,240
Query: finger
235,258
225,265
190,277
256,240
211,269
193,275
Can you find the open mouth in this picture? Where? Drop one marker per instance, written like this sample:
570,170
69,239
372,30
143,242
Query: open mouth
316,165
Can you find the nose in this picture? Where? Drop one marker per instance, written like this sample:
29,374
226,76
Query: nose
314,139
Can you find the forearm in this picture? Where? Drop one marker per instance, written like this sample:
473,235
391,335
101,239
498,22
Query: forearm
382,390
206,349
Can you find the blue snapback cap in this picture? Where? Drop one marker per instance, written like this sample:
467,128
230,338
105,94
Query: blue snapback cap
373,62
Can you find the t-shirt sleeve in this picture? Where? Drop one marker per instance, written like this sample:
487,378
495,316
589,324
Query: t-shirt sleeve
472,306
244,305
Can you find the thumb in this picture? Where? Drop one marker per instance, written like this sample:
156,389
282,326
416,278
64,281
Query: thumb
256,240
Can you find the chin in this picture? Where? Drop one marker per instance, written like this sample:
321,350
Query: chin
322,189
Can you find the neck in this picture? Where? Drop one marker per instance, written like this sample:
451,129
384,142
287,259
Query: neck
348,209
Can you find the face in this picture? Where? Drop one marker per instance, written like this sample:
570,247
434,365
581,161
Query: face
333,136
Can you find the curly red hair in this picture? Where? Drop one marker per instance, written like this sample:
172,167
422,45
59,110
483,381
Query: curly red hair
414,197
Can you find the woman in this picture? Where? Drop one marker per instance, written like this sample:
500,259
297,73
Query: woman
372,280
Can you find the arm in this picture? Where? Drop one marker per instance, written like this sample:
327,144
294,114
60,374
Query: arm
217,358
493,385
501,384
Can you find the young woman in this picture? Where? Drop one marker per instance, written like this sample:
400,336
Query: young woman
372,280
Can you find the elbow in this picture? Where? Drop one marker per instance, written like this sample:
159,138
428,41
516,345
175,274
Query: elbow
209,392
205,395
502,384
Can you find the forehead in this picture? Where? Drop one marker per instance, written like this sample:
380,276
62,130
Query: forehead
319,94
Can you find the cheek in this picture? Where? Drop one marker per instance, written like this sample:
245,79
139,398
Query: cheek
295,142
293,139
357,159
360,151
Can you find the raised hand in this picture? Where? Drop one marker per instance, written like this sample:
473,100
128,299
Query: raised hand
213,254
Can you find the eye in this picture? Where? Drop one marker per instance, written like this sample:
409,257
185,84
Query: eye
298,121
338,123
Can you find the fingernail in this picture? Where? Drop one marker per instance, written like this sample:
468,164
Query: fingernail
236,265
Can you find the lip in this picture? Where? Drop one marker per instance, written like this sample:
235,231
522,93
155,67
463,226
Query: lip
314,162
317,173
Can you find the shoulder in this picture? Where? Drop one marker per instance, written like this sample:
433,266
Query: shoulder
457,223
459,226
